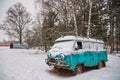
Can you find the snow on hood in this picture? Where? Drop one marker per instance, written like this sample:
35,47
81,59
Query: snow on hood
56,51
65,47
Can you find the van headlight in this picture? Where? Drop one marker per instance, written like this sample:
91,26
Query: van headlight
62,56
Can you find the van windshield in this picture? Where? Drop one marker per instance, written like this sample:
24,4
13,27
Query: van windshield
64,45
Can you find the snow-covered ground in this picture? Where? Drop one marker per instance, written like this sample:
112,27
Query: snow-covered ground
23,64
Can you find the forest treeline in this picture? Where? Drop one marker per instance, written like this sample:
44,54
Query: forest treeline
60,17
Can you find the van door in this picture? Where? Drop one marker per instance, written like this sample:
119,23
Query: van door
93,54
87,58
94,58
78,53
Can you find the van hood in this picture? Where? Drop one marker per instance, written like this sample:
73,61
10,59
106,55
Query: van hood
55,51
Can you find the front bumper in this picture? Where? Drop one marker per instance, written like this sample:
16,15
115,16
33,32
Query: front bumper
56,65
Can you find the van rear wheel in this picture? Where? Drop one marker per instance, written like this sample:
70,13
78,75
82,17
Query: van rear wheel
100,64
104,64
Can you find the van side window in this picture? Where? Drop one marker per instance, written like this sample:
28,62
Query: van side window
79,44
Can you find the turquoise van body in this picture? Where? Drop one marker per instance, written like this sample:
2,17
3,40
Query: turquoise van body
68,52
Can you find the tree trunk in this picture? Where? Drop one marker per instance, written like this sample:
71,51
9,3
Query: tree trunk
75,22
89,20
45,48
20,37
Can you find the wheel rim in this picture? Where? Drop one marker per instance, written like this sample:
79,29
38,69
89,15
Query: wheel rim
79,69
100,65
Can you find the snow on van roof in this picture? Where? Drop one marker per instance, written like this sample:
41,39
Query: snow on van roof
62,38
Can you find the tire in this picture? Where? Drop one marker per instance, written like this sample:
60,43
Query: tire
100,65
74,73
78,70
104,64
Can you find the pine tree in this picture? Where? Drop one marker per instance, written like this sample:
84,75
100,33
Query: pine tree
99,21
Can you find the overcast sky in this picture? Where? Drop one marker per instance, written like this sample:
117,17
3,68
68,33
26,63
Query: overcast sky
4,6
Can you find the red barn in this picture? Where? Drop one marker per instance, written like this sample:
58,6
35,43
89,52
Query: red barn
5,44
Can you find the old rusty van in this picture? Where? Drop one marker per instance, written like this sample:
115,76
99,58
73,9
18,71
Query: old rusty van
76,53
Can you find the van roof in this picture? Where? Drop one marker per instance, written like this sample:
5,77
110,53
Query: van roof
69,37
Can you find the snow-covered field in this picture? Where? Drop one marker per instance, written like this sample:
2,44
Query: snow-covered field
23,64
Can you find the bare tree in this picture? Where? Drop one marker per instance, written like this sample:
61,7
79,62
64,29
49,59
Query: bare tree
68,11
16,21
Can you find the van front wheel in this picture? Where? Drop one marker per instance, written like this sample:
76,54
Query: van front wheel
78,70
